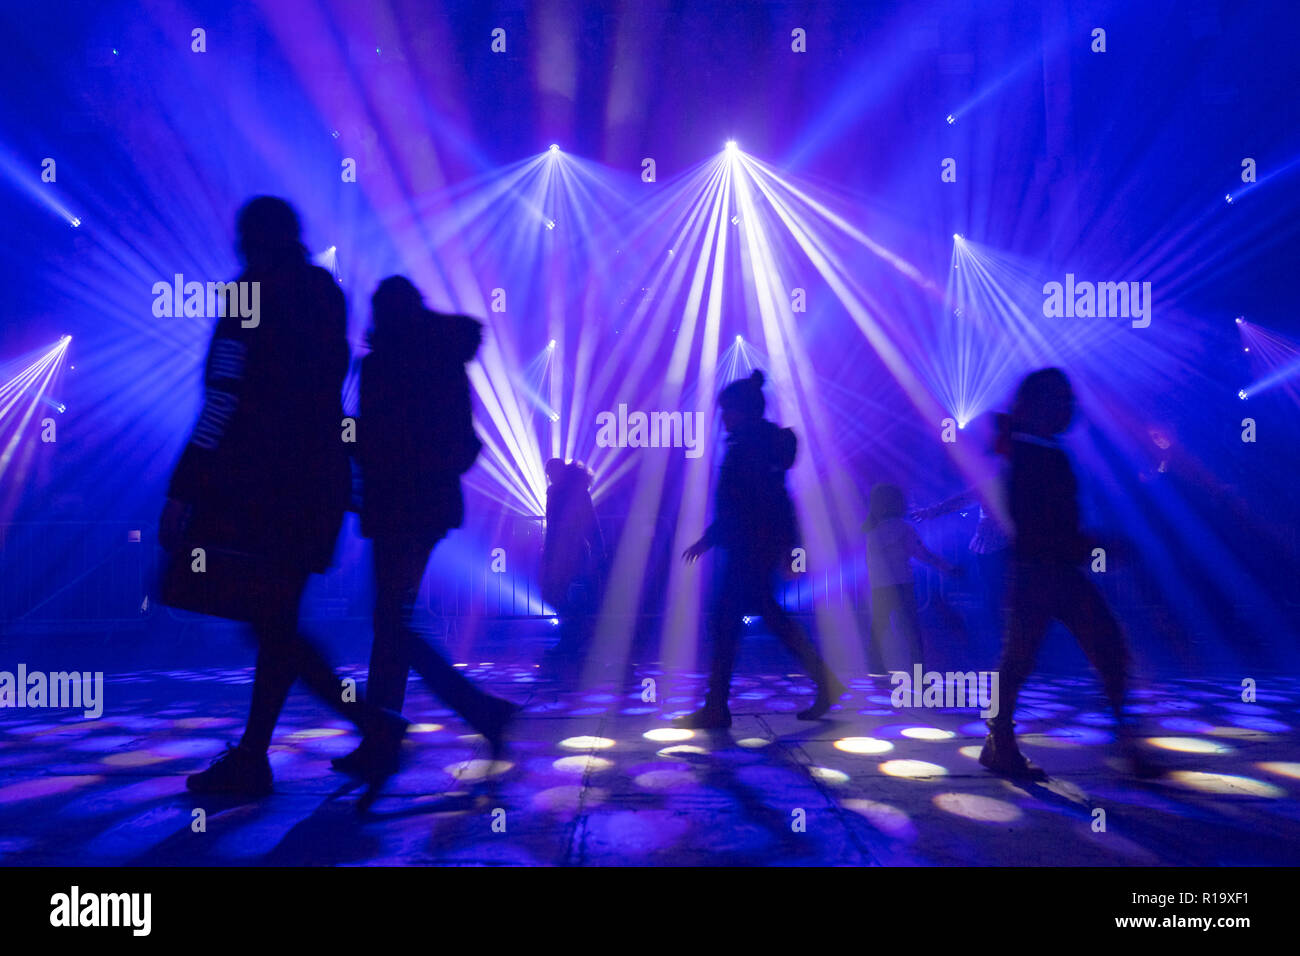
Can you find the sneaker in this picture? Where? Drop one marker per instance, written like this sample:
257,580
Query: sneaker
501,713
1002,756
235,770
706,718
828,695
354,763
1136,761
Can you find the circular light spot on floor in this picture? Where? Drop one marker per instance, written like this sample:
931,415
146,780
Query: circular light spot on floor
469,770
681,749
134,758
863,745
972,806
912,769
668,734
587,763
44,787
1233,732
1189,745
828,775
1224,783
927,733
316,732
586,743
884,817
423,728
1281,768
752,743
664,779
972,751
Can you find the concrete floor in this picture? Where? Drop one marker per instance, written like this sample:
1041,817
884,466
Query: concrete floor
597,777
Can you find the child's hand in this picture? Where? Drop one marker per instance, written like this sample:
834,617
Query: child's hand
692,554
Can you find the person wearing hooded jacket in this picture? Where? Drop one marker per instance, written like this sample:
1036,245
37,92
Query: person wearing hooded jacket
415,438
754,528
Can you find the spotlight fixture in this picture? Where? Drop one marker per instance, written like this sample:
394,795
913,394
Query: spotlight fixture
738,340
1240,319
1241,394
555,147
1228,197
957,237
551,344
731,146
74,222
950,119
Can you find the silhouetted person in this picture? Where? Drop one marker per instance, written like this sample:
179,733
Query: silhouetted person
415,438
1047,582
754,529
263,484
892,544
990,543
572,555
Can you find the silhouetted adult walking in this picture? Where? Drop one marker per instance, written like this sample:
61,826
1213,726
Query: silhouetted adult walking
1048,583
262,485
415,438
754,529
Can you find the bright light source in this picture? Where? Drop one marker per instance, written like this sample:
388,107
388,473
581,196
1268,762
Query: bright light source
75,222
1240,319
555,147
551,344
731,146
1241,394
738,339
950,119
957,236
1228,197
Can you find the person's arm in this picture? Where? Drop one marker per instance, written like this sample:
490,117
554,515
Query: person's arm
964,499
223,380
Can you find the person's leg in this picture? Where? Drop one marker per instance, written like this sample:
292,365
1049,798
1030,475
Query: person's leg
1033,595
1093,625
723,624
275,672
399,566
909,622
399,562
878,641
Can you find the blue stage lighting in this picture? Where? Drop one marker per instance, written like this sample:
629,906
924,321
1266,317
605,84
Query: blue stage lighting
1240,319
1241,394
950,119
555,147
731,146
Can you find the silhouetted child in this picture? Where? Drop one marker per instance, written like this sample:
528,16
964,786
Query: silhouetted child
415,438
263,484
1047,580
573,554
892,545
754,529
